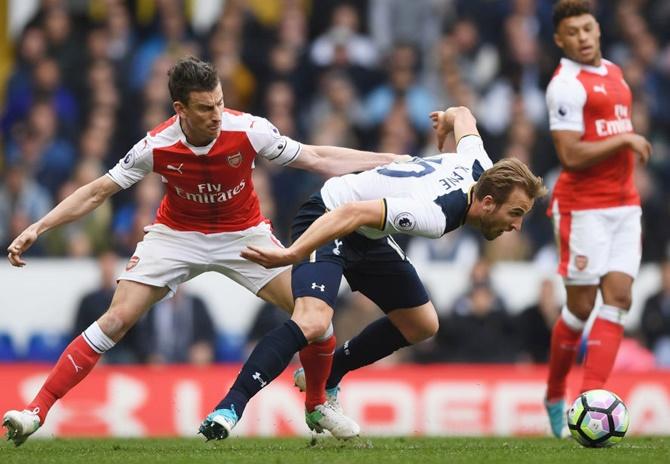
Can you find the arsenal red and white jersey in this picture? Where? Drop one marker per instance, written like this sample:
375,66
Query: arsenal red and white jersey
595,101
209,189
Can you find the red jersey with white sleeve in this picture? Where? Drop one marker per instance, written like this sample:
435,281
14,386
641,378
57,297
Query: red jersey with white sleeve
595,101
209,189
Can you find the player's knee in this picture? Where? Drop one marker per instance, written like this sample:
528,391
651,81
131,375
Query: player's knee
621,300
313,319
313,328
114,325
421,330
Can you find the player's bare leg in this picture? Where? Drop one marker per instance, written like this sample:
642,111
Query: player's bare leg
278,292
131,300
565,338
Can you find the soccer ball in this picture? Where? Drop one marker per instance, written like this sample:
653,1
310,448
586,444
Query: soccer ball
598,418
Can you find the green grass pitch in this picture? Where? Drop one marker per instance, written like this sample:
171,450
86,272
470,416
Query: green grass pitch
329,451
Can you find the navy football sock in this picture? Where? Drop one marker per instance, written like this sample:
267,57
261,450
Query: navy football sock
378,340
270,357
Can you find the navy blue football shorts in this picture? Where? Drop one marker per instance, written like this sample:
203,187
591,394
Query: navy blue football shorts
377,268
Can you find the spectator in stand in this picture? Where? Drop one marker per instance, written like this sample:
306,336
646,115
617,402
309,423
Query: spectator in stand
48,156
31,50
655,322
403,91
268,318
344,48
96,302
22,202
534,324
477,329
178,330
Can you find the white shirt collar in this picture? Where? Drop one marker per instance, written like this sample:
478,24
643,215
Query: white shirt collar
600,70
199,151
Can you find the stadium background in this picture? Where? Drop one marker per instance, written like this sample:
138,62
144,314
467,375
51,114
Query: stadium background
83,80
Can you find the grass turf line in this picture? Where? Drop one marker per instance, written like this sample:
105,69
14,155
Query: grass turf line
639,450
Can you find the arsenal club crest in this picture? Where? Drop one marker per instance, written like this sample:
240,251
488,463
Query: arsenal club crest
132,262
581,261
235,160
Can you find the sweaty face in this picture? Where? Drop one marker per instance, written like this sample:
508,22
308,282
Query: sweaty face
507,216
202,115
579,38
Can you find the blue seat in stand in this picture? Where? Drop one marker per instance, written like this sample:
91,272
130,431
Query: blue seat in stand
7,351
46,347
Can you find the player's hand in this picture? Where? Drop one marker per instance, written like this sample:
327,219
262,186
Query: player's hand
443,122
441,127
641,146
20,245
269,257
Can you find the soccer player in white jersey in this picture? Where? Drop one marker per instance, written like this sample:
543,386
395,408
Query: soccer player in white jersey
345,230
595,204
210,211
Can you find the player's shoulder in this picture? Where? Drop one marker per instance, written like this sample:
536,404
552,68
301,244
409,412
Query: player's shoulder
612,68
238,121
164,134
566,74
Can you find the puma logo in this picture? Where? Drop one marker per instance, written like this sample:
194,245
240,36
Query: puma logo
175,168
76,368
600,88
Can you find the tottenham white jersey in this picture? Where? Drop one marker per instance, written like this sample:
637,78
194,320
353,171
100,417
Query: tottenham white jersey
425,196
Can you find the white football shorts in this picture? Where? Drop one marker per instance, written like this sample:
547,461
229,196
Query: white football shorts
594,242
167,258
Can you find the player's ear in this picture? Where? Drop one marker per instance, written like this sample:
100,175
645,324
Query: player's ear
179,108
488,204
558,41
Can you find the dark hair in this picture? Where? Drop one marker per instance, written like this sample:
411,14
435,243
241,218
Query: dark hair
508,173
569,8
191,74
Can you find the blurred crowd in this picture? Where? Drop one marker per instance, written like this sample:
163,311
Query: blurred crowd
89,79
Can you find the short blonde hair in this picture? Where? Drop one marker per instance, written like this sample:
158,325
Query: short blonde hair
508,173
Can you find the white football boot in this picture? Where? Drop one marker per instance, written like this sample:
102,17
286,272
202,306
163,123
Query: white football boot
326,417
20,425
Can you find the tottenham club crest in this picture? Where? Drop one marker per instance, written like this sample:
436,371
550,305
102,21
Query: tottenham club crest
404,221
235,160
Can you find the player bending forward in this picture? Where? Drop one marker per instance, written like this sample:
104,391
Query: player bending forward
210,211
345,230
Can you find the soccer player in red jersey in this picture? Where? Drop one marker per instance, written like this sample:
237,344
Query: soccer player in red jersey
209,214
595,206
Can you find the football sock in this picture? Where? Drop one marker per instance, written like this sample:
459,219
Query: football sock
565,338
74,364
602,346
378,340
317,359
270,357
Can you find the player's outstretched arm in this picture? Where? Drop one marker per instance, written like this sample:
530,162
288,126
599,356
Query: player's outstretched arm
576,154
332,161
456,119
78,204
337,223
